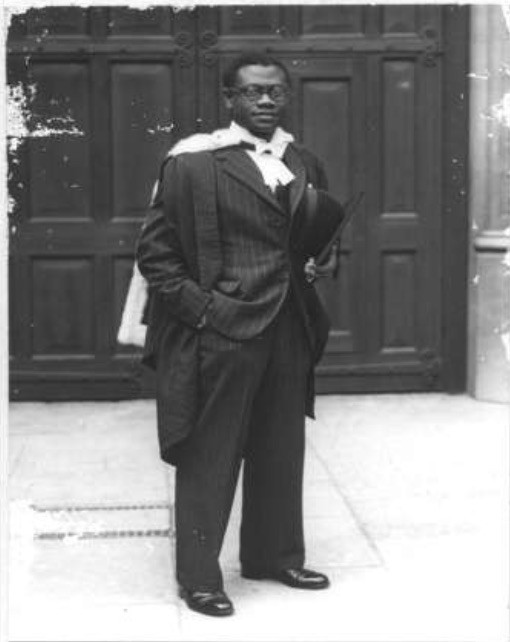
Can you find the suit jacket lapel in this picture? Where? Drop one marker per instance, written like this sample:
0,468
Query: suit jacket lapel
297,167
240,166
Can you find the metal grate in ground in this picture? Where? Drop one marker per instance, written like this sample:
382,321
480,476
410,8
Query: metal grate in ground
91,521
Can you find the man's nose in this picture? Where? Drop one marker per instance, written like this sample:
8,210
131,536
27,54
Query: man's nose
265,98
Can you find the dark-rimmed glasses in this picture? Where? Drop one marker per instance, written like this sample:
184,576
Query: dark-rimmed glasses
253,93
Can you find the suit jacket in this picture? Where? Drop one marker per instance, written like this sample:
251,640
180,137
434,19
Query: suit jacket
257,268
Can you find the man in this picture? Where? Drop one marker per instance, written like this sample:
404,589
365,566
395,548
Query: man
234,330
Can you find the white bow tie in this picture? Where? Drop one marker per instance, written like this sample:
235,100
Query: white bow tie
272,168
270,149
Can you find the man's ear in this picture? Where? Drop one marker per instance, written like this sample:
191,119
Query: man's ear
227,97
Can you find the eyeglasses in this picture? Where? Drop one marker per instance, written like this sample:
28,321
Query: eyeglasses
253,93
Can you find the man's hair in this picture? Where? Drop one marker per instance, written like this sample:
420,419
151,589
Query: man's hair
251,58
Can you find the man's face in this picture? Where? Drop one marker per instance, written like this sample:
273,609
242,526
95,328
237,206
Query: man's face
250,104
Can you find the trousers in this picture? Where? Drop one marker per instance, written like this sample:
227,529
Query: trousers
252,407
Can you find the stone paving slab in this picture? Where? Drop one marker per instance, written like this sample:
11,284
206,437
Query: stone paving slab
100,623
416,465
99,571
85,453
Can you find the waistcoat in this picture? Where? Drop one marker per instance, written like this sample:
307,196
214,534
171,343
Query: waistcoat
256,266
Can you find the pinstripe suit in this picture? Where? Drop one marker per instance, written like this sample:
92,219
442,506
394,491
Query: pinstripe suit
249,370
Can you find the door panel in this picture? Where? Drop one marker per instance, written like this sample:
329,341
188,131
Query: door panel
399,145
400,19
62,21
61,297
110,89
246,21
154,21
141,100
59,165
331,20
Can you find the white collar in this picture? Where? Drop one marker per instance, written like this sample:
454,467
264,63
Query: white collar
276,146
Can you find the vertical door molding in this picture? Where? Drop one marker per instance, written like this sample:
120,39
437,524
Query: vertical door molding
455,136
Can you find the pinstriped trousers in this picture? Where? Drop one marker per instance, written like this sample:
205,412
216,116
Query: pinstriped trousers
252,405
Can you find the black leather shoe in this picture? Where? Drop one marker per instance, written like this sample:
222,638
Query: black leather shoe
294,577
207,602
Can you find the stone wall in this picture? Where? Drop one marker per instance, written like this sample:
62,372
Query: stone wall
489,283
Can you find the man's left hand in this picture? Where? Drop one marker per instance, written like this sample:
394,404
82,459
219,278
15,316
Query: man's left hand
327,269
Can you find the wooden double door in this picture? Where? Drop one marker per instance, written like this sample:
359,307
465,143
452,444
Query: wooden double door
106,93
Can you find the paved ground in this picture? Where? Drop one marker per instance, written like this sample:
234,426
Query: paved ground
406,509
